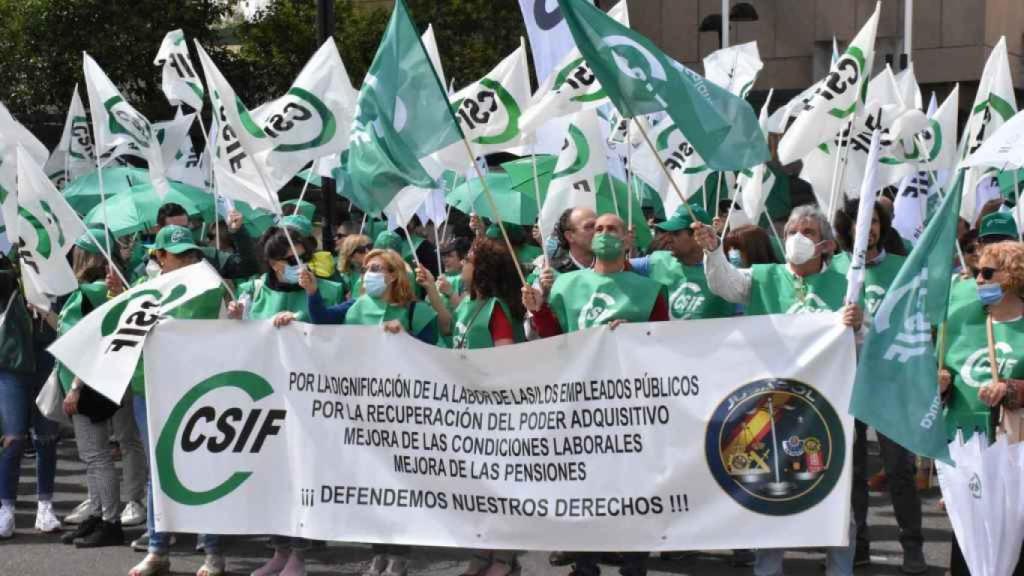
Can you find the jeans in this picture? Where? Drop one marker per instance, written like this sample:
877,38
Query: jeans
100,474
159,542
839,560
133,456
900,470
17,409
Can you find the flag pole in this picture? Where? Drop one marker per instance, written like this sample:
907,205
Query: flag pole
408,237
629,177
1016,200
494,209
771,226
305,185
213,183
842,145
362,225
668,175
536,197
448,210
103,250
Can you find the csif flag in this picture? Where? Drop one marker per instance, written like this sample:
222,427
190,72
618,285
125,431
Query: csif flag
104,348
73,155
12,137
896,390
641,79
734,68
179,80
575,180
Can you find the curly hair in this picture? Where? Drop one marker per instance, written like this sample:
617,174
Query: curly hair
846,222
274,245
348,247
400,291
1008,257
495,275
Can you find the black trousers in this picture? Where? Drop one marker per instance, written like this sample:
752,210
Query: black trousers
633,564
900,468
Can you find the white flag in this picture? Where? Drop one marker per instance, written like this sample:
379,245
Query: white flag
550,39
994,105
574,181
116,123
910,92
180,82
572,86
73,155
47,231
311,121
865,213
940,138
489,112
430,46
105,346
836,99
685,166
734,68
754,185
12,136
240,148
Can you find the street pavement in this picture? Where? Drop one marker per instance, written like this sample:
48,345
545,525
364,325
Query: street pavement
31,554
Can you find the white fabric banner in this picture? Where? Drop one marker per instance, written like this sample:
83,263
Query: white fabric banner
710,434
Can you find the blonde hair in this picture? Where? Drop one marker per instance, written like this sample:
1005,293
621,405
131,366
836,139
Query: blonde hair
400,290
88,266
1009,258
348,247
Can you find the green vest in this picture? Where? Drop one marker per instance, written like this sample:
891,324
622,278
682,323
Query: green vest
878,279
583,298
368,311
17,353
967,360
95,294
775,290
266,302
473,323
689,297
353,281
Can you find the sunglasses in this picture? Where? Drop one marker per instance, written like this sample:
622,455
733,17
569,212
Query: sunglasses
377,268
970,249
362,249
293,262
987,273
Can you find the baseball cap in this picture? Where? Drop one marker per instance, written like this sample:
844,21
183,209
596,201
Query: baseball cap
681,220
174,239
93,239
300,224
998,224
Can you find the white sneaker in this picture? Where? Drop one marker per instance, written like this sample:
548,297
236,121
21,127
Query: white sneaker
80,514
46,520
6,522
134,514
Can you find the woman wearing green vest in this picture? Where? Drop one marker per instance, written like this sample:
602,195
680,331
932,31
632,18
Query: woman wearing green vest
173,250
278,289
490,315
388,299
353,250
92,431
987,333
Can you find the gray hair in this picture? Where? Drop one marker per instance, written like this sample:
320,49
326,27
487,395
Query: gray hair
810,212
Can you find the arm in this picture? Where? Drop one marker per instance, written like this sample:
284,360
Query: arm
545,322
320,313
501,329
246,263
725,280
444,316
641,265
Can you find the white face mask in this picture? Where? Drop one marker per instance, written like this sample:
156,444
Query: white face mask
799,249
152,268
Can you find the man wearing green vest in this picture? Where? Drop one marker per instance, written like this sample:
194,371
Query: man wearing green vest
606,294
678,264
898,463
804,284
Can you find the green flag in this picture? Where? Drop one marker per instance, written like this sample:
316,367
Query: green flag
402,116
896,391
641,79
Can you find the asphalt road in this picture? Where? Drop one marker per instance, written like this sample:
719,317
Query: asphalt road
31,554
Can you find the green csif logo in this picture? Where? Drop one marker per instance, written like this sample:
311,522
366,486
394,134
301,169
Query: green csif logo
236,430
294,115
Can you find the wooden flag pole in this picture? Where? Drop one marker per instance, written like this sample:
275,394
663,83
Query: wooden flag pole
668,175
629,177
494,210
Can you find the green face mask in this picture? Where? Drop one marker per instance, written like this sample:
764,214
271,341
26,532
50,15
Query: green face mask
607,247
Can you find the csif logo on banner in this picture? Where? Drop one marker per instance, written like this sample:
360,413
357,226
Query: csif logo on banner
125,120
576,78
682,152
845,75
195,426
48,231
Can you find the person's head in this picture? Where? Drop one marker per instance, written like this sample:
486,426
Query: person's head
517,235
993,206
808,235
575,229
344,230
1000,272
453,254
385,277
749,245
175,249
676,234
490,272
388,240
278,257
997,227
970,247
352,251
87,260
846,225
609,242
171,214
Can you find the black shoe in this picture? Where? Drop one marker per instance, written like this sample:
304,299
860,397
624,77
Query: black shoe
561,558
82,530
107,534
861,557
914,562
742,559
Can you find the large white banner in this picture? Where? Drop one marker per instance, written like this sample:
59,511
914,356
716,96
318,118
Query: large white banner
710,434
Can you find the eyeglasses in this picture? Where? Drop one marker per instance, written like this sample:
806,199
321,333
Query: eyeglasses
987,273
375,267
339,237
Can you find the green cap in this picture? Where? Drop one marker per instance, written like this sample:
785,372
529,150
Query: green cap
388,240
303,208
998,224
93,239
174,239
681,220
300,224
516,233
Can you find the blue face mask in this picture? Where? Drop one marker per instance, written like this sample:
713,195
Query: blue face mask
735,258
551,246
291,274
990,294
375,284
